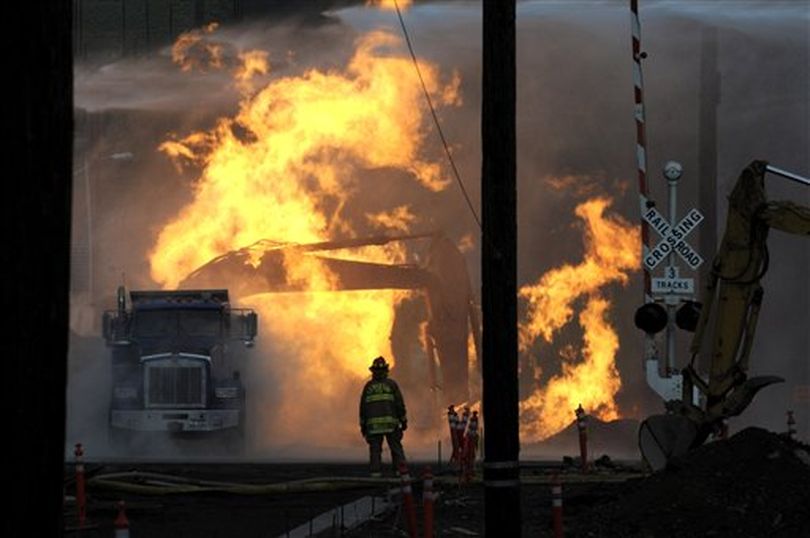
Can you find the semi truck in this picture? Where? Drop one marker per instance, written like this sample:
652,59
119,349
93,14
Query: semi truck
176,359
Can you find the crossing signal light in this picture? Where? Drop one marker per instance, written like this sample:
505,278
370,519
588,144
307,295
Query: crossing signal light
651,318
687,316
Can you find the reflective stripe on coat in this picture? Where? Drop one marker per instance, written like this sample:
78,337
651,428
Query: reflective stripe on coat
382,407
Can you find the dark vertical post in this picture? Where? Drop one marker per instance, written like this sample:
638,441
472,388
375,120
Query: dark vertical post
36,153
802,382
499,272
123,28
147,29
709,100
707,146
77,27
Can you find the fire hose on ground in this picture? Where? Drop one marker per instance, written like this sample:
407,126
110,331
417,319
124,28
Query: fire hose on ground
146,483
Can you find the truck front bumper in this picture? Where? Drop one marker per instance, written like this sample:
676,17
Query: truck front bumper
175,420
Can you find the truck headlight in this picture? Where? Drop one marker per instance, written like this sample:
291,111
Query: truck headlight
125,393
226,392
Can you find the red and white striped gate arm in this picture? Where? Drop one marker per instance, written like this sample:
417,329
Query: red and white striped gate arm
641,161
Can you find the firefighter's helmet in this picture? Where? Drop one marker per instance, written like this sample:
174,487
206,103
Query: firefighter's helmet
379,365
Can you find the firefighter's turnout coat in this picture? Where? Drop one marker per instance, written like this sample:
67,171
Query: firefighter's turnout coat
382,408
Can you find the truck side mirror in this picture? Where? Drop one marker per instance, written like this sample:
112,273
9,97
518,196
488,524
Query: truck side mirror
251,326
121,298
115,328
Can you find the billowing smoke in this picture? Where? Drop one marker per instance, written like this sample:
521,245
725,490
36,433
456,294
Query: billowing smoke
575,119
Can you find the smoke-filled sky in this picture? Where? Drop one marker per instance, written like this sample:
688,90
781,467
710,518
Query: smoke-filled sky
575,121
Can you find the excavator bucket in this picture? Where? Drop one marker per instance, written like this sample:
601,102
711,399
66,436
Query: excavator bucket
663,437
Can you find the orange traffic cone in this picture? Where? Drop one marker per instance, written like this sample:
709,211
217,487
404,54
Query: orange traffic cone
582,426
81,498
428,499
557,506
468,449
791,425
121,522
452,420
407,500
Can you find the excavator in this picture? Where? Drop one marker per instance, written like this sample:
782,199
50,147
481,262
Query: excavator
452,315
726,322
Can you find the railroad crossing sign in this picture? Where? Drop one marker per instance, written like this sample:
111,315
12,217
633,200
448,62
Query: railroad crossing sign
672,284
673,239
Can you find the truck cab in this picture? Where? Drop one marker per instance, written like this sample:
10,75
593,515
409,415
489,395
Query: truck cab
176,361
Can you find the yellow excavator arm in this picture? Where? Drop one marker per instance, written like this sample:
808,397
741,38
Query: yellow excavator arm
730,307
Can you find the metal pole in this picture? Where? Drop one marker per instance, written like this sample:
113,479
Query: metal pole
673,220
789,175
89,221
650,352
707,143
707,156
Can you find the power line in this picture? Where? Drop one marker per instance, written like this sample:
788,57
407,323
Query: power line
435,117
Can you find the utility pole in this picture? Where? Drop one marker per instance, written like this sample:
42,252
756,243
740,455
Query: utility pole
709,100
707,145
499,272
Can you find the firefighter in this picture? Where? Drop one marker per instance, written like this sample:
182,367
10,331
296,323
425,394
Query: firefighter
382,414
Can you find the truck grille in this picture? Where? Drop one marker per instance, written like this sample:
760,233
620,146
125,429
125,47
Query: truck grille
175,386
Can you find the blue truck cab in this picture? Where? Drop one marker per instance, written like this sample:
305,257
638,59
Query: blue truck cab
176,361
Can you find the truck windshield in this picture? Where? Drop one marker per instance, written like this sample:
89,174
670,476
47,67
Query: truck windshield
200,322
155,323
170,323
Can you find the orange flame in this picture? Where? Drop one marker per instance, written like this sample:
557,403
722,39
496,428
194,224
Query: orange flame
400,218
306,136
612,247
466,243
196,50
390,4
282,170
253,62
193,50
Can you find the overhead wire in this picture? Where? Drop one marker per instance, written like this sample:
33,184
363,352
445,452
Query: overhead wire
446,146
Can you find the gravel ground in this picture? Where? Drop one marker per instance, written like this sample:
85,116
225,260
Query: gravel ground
756,484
